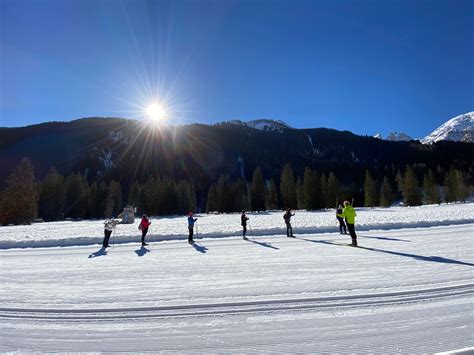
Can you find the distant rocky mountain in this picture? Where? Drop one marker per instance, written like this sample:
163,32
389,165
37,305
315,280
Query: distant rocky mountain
459,129
398,136
261,124
395,137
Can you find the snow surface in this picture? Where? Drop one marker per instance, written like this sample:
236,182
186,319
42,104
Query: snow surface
404,290
106,159
70,233
459,128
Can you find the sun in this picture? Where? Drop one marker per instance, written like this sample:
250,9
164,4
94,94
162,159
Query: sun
156,112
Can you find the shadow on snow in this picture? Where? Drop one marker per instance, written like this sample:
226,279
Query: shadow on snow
263,244
385,238
200,248
432,258
142,251
99,252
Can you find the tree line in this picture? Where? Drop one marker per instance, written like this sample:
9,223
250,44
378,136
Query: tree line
58,197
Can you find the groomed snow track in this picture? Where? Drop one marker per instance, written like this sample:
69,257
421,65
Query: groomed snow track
369,300
407,290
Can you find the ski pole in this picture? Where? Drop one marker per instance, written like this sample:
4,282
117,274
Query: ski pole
197,231
117,240
251,231
113,237
152,241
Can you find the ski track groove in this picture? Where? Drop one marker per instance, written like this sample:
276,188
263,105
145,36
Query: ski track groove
240,307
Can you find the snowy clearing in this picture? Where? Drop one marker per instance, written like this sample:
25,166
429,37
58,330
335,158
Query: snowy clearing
407,290
227,225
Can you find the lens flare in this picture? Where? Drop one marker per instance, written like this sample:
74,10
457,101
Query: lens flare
156,112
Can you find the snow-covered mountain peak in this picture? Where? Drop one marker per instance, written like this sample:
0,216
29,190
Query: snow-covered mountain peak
398,136
263,124
459,128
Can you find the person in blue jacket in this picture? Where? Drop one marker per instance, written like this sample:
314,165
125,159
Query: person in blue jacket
191,221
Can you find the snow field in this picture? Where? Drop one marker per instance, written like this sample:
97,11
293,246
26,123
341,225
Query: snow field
407,290
227,225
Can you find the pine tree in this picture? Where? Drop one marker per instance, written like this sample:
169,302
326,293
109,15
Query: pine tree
184,197
19,200
77,197
454,186
211,205
370,191
224,193
320,196
334,190
288,187
399,181
192,194
449,186
411,188
135,195
257,191
300,194
240,195
97,201
463,191
386,193
324,191
113,203
310,189
168,197
51,197
271,196
151,196
430,189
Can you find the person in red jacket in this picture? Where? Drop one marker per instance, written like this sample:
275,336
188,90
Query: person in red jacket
144,224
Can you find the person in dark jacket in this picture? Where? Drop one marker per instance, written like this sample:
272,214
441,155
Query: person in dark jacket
243,222
144,225
340,218
191,221
109,227
287,217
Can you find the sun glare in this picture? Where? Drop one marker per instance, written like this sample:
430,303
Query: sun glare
156,112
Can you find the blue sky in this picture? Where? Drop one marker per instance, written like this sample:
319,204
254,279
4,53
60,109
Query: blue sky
366,66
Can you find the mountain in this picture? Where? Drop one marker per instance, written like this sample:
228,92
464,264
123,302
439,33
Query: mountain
105,149
398,137
459,128
395,137
261,124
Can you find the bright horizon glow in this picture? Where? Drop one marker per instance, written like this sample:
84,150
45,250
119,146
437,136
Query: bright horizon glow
156,112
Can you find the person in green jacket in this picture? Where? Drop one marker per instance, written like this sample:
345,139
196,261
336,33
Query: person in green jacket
350,214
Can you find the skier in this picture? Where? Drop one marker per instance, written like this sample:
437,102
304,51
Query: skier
350,214
191,221
340,218
243,222
144,225
109,226
287,217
